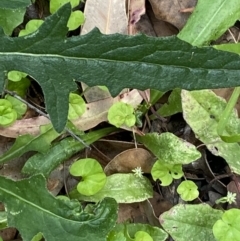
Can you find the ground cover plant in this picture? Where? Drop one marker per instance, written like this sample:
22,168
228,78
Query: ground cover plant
110,134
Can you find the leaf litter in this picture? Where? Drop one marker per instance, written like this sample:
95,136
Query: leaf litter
123,157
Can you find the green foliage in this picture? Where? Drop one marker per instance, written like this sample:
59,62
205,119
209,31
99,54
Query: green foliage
12,13
56,4
46,162
24,207
93,177
121,187
31,27
25,143
141,235
17,105
169,148
190,222
127,231
75,20
149,63
16,75
77,106
166,172
188,190
203,118
7,113
227,228
20,87
121,114
209,21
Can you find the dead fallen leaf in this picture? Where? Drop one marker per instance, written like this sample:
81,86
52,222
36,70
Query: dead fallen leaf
107,15
171,11
127,160
136,8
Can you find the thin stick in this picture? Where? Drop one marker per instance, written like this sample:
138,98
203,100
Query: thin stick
45,115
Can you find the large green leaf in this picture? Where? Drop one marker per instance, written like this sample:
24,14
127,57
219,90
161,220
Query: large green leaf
209,21
116,61
46,162
123,187
12,13
190,222
25,143
32,209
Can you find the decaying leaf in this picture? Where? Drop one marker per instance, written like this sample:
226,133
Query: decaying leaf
107,15
170,11
130,159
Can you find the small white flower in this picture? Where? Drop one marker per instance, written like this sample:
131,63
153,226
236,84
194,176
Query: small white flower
138,172
230,198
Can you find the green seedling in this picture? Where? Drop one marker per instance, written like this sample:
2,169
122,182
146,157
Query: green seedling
3,220
188,190
166,172
56,4
93,177
77,106
7,114
31,27
121,114
228,228
17,105
19,87
75,20
16,75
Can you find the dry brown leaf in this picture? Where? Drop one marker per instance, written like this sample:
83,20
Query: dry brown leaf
107,15
126,161
171,11
136,8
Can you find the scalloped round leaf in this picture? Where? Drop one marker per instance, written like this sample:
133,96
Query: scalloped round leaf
92,184
170,148
166,172
15,75
85,167
17,105
228,227
188,190
31,27
75,20
121,114
93,177
7,114
77,106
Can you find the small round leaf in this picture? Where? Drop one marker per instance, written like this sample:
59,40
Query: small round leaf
166,172
121,114
77,106
228,227
93,177
188,190
75,20
16,75
31,27
7,114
